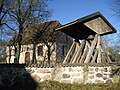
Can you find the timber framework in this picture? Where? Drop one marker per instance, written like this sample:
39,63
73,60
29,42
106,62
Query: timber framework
88,46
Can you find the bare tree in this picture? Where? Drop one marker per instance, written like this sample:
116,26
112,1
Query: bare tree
24,13
1,9
113,46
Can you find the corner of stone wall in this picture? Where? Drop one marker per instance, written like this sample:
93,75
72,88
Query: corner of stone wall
115,73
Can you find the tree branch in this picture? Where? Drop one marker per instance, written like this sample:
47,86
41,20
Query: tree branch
8,26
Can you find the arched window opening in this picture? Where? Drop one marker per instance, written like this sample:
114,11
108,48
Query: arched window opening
27,57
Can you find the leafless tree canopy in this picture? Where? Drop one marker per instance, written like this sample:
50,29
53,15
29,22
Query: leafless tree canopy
16,15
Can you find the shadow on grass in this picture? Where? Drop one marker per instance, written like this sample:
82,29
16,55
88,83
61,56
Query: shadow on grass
15,77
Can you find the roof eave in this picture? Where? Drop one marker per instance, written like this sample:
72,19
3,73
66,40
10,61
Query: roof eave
87,18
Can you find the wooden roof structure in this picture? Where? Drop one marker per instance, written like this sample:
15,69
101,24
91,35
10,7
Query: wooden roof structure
89,30
89,25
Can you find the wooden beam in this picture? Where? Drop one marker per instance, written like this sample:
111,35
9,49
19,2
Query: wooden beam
106,54
108,58
84,54
99,50
103,58
80,52
90,52
75,54
88,44
69,52
95,56
99,59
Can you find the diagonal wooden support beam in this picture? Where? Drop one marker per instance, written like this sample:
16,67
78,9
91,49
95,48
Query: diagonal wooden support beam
90,52
87,43
80,52
84,54
73,60
105,52
95,56
75,53
103,58
69,52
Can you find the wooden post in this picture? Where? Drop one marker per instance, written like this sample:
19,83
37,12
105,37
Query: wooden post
99,59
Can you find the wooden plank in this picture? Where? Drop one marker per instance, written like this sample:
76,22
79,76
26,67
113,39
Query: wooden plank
75,54
88,44
106,54
81,49
108,58
99,59
99,50
98,25
84,54
72,54
95,56
90,52
103,58
69,52
99,41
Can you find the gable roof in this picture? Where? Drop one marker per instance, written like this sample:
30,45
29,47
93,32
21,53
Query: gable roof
37,33
88,25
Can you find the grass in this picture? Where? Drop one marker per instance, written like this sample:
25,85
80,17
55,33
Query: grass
54,85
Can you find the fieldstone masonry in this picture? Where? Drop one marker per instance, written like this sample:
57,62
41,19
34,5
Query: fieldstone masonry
12,74
40,74
76,74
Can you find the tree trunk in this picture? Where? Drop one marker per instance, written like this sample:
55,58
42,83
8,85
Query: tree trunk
49,54
1,6
9,54
34,53
19,43
18,53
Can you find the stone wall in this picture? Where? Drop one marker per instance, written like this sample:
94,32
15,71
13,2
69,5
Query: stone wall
40,74
11,74
99,74
77,74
